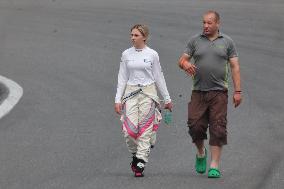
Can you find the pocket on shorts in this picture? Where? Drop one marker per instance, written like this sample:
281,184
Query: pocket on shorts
158,116
221,128
190,126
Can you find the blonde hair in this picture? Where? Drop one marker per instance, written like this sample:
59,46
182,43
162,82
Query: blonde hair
143,29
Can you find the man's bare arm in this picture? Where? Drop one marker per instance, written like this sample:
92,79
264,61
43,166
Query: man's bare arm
236,76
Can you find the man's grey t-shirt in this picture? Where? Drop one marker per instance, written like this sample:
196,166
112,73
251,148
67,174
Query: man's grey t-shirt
211,59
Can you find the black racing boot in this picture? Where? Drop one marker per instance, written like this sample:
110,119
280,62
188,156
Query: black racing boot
133,163
139,168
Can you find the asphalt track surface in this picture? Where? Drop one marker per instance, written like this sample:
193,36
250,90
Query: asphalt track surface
65,54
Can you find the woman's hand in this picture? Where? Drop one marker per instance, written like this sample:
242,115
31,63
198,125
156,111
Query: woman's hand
169,106
118,108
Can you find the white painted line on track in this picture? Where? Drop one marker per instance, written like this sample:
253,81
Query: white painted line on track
14,95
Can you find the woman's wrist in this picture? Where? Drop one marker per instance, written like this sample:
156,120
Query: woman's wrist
168,101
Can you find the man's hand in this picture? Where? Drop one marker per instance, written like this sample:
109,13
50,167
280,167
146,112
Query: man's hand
189,68
169,106
186,65
237,99
118,108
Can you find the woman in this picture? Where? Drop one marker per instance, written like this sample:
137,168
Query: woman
139,75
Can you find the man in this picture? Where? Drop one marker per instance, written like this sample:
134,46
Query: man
212,52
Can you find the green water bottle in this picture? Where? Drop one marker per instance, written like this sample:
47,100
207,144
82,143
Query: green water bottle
168,117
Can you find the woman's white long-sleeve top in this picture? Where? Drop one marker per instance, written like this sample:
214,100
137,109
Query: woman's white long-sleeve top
140,67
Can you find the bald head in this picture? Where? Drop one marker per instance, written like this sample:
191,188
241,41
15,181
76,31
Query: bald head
214,14
211,23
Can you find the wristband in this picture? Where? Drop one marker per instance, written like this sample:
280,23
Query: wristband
239,92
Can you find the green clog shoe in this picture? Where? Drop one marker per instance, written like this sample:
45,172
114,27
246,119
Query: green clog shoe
214,173
200,163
